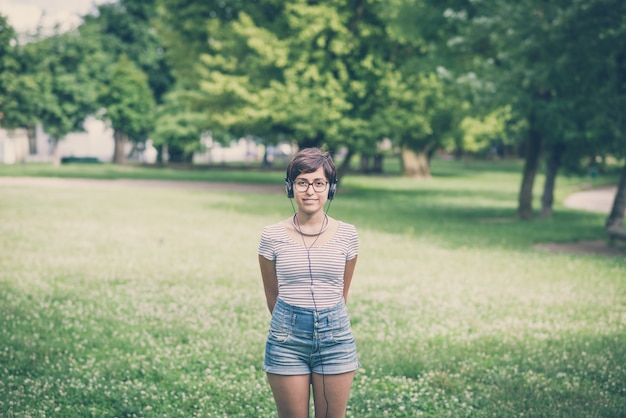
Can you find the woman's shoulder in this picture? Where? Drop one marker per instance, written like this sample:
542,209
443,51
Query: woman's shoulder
276,231
346,229
274,228
344,224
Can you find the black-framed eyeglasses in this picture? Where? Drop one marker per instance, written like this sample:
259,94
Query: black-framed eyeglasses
302,186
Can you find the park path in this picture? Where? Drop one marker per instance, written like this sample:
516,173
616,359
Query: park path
595,200
88,183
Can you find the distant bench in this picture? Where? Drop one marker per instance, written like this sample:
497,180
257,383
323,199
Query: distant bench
82,160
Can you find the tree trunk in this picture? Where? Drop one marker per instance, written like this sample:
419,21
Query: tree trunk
553,163
616,217
133,151
415,164
365,163
56,155
31,132
310,142
533,151
163,155
345,164
119,157
378,163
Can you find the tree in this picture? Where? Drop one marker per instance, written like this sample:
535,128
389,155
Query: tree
425,101
126,28
603,88
422,116
126,37
128,105
66,93
178,128
269,71
615,221
589,34
8,67
518,41
550,61
315,72
18,84
184,28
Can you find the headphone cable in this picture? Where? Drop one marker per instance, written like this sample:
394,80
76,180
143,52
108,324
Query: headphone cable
308,254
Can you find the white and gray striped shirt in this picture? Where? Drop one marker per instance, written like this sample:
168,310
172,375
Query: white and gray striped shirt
315,285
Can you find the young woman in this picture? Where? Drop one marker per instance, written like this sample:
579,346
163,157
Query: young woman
307,262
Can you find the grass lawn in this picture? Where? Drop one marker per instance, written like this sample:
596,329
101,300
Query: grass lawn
147,302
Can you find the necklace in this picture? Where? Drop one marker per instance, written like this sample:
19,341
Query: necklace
296,226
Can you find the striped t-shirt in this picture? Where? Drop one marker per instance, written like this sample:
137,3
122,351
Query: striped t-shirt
328,262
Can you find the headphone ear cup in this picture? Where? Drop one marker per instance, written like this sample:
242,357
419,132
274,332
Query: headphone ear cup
289,188
332,190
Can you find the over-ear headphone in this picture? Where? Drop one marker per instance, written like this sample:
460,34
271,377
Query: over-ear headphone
289,187
331,191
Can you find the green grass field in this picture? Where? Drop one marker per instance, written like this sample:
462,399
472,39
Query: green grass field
147,302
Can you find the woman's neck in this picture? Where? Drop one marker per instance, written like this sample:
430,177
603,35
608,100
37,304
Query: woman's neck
310,219
313,224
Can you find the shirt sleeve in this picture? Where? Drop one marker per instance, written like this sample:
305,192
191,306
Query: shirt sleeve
352,244
266,246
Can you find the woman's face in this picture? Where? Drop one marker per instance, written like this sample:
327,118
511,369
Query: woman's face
311,191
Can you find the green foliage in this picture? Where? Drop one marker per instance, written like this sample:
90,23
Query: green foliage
66,92
329,74
419,114
7,37
114,304
127,100
554,64
276,76
9,74
337,74
125,28
44,81
184,29
178,126
557,64
426,108
481,134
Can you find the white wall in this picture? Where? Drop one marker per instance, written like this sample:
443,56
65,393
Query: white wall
13,146
245,149
97,142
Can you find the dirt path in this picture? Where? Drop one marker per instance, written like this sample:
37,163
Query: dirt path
72,182
596,200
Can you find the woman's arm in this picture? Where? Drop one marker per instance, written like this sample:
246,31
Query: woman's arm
270,281
347,277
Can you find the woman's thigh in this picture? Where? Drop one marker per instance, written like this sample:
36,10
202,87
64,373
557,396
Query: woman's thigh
331,392
291,394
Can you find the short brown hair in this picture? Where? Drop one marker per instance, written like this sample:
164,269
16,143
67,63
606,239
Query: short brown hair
309,160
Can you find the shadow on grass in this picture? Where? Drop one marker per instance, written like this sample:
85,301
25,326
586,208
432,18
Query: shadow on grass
451,217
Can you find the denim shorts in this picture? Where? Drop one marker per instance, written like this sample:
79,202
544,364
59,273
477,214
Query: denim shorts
304,341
